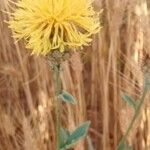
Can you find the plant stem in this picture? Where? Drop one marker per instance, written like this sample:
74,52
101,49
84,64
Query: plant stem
137,112
58,90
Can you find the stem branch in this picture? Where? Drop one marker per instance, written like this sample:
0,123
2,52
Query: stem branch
137,112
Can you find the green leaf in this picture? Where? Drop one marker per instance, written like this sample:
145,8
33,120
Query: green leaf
77,135
67,97
121,146
130,101
147,81
130,148
64,134
124,146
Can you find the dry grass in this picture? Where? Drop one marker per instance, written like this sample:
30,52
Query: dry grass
97,77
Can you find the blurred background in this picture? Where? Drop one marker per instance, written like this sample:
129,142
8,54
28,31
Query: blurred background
96,77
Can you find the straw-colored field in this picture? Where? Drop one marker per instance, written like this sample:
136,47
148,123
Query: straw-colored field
96,77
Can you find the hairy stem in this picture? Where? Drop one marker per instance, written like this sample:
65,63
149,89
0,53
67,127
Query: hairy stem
58,90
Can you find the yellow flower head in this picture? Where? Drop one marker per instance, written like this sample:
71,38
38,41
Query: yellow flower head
48,25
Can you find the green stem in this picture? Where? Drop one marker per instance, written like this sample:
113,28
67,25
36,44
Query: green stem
58,90
137,112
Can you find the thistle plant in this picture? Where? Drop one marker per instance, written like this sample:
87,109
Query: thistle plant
56,28
136,105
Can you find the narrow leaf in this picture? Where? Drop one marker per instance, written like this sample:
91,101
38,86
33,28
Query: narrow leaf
67,97
64,134
129,100
78,134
